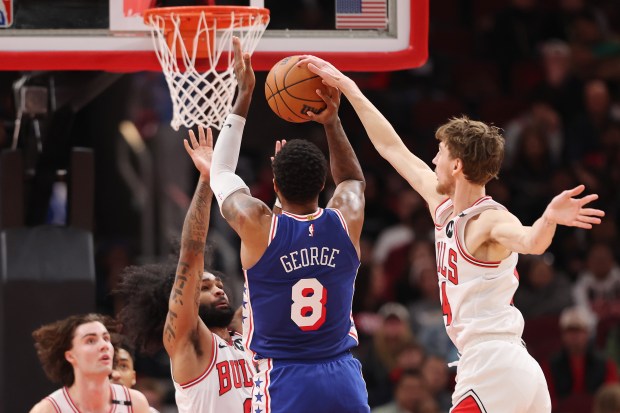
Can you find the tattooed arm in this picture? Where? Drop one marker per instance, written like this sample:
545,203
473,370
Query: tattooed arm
187,339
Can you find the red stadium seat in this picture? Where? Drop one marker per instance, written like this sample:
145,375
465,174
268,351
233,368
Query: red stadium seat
542,337
575,403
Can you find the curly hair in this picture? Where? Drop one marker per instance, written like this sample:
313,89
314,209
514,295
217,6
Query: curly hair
478,145
300,170
53,340
145,291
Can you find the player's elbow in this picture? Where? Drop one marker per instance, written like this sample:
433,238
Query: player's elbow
538,248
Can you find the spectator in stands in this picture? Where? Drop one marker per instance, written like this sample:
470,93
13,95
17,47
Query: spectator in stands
380,358
578,369
560,87
541,116
607,399
409,393
598,287
533,165
560,21
583,136
427,316
436,375
543,290
515,36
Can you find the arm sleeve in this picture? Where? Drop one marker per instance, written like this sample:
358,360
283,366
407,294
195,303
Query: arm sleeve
224,181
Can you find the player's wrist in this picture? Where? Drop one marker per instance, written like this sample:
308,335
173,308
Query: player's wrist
547,219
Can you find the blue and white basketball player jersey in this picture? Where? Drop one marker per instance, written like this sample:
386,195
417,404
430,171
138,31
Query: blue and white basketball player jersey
298,296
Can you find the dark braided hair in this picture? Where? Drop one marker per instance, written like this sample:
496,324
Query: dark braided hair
145,291
299,170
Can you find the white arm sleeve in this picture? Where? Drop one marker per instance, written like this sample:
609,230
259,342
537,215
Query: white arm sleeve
224,181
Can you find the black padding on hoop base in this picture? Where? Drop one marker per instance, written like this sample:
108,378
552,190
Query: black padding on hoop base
46,274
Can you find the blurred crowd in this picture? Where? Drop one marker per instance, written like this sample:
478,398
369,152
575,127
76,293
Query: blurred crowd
547,72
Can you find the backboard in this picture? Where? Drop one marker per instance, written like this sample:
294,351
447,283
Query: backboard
109,35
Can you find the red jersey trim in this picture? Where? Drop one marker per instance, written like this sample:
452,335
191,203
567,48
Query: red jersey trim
469,258
342,220
128,398
480,200
437,213
308,217
113,407
200,378
65,393
273,229
248,337
267,377
54,404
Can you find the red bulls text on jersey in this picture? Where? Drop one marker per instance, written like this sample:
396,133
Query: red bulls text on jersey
476,296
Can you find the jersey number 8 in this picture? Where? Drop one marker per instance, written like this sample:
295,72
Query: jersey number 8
308,308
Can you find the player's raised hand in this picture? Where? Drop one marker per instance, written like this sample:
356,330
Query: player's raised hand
328,72
243,67
564,209
330,113
201,150
279,146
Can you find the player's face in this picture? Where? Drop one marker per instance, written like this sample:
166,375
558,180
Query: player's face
91,351
444,165
123,372
215,309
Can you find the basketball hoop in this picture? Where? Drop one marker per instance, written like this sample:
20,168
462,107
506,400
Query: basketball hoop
190,43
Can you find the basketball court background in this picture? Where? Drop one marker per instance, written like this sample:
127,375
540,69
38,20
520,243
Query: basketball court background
94,137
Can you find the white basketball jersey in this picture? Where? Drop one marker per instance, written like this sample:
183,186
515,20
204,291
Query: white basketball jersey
121,400
226,384
476,296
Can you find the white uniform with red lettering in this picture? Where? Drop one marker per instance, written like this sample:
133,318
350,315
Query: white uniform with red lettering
226,384
495,372
121,400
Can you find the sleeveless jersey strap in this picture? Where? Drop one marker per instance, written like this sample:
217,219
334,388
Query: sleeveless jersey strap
121,397
273,229
342,220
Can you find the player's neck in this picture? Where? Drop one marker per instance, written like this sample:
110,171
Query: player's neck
300,209
222,332
465,194
91,394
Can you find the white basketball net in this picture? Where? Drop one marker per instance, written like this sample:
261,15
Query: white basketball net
202,98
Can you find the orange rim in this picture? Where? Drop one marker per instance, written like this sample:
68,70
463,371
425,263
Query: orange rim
190,15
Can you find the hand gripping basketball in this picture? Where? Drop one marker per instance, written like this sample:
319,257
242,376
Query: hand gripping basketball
291,90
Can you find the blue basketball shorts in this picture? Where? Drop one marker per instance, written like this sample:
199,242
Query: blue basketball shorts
331,385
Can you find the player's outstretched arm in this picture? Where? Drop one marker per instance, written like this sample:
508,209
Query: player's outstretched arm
381,133
564,209
346,171
183,324
245,214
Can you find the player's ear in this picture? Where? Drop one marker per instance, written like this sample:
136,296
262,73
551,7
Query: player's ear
457,166
69,356
275,188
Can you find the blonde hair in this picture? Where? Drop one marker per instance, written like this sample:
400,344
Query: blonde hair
479,146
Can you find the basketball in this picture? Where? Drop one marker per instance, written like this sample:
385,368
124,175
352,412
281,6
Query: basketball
291,90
